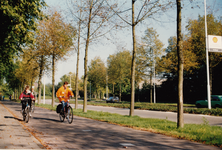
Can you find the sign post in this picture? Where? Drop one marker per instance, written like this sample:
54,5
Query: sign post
207,60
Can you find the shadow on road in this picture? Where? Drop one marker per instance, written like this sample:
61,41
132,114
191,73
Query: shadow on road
48,119
13,118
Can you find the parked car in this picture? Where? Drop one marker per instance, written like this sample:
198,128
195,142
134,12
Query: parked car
216,101
112,100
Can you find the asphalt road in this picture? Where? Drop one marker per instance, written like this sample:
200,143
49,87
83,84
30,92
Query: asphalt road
172,116
90,134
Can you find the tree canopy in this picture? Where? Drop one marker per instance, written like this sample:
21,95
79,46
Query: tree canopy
18,21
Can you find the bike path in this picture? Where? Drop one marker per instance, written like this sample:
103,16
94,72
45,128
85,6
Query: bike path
87,134
13,134
171,116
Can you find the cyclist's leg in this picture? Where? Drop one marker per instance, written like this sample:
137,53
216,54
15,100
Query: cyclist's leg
23,105
66,107
30,104
63,105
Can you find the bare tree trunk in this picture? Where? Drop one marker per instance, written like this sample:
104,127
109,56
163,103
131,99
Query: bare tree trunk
180,120
53,79
86,59
151,87
133,63
77,68
39,82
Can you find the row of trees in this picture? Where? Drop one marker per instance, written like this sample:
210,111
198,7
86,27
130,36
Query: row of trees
92,19
117,68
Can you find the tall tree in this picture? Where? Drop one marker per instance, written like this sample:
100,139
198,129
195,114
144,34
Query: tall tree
180,121
151,49
18,21
97,74
119,69
59,40
169,62
146,9
196,34
98,16
76,9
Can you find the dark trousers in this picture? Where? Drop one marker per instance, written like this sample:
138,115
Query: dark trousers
24,103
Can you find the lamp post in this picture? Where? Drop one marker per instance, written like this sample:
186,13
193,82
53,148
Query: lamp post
207,61
154,84
107,84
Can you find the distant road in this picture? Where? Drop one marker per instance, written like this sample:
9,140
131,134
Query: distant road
172,116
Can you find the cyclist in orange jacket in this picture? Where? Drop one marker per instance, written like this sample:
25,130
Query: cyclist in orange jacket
63,94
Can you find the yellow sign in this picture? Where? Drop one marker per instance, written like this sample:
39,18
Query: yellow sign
215,39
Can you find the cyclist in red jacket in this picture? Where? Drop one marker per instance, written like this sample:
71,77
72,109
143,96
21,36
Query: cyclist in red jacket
26,95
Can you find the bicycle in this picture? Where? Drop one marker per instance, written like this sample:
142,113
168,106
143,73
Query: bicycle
25,113
67,113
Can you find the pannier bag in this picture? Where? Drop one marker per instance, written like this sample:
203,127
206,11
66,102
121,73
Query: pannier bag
58,108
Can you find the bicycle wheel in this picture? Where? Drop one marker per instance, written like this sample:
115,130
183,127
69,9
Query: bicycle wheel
69,115
61,117
26,115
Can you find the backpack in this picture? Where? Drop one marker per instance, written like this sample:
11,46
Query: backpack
59,108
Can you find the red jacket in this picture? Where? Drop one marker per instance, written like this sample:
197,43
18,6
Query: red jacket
26,96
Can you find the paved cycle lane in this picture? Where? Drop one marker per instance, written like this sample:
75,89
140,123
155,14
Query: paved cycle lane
90,134
13,134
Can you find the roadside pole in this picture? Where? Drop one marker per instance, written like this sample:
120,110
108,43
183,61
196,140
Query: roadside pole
207,60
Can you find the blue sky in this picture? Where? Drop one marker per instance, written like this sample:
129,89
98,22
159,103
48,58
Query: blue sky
165,31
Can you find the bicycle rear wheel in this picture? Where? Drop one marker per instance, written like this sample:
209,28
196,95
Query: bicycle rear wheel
70,115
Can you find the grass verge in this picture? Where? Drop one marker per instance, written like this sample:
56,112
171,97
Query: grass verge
158,107
204,133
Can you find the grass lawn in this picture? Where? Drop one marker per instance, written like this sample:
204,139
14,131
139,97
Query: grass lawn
204,133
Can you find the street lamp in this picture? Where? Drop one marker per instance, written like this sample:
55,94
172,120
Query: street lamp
154,84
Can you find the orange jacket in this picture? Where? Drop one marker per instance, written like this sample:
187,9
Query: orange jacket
64,94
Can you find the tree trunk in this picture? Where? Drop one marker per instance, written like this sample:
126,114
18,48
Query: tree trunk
120,92
53,79
211,78
77,68
39,82
151,88
14,94
96,94
133,63
86,59
113,91
180,121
